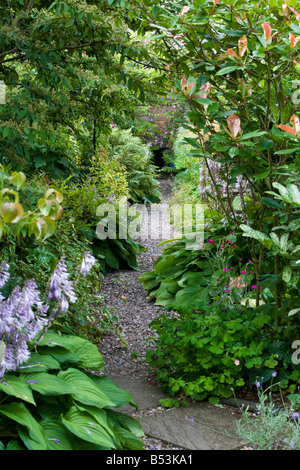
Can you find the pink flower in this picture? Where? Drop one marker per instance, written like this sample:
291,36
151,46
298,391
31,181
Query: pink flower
244,272
222,246
231,268
237,363
253,287
240,259
210,241
250,261
225,269
261,287
218,279
227,290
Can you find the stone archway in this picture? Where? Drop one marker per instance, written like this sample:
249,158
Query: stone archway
161,118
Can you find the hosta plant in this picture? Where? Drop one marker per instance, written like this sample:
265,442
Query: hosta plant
51,402
50,399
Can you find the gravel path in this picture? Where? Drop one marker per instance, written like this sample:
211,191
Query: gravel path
135,315
134,319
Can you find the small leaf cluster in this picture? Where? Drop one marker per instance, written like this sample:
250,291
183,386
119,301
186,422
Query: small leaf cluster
207,351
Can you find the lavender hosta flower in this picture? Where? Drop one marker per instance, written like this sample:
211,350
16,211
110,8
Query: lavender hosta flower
4,274
64,305
60,288
87,263
22,317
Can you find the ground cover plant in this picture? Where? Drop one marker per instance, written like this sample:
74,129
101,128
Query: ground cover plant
212,351
271,427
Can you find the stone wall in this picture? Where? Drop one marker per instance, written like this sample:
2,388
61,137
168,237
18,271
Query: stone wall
160,118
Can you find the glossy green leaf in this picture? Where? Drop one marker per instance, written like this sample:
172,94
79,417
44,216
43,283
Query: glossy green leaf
15,386
118,396
18,412
84,389
87,428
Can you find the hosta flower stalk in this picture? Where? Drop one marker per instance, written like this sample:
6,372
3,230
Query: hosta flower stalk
24,315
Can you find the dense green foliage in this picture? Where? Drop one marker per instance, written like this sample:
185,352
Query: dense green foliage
74,74
137,159
208,351
239,74
53,400
237,64
52,403
64,65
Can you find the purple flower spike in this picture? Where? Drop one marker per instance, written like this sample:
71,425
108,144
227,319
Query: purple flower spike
87,263
4,274
60,287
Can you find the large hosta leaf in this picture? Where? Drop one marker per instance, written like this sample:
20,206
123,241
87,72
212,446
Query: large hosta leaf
30,444
14,445
125,421
48,384
129,441
191,294
163,296
18,412
39,363
56,435
84,389
87,428
99,415
15,386
117,395
88,353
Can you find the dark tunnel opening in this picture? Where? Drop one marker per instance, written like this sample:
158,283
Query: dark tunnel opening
158,158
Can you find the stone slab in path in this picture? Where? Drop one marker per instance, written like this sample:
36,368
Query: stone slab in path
144,394
211,428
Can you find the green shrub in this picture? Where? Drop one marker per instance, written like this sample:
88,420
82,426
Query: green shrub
80,221
209,351
31,258
51,402
48,398
137,159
